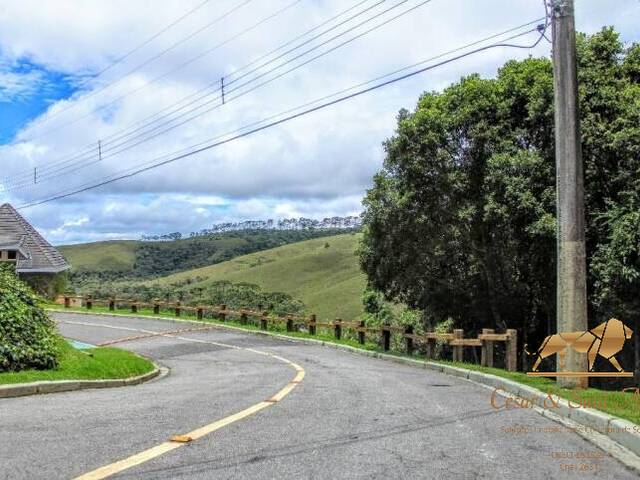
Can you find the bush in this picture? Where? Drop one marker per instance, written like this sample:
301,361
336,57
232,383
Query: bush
46,285
28,337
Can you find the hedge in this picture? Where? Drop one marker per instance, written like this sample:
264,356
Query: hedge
28,337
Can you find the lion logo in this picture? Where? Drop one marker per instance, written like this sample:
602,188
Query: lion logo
606,340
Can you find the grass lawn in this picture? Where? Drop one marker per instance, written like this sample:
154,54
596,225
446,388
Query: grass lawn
623,405
102,363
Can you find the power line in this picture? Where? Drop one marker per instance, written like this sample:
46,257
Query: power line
145,43
166,74
143,64
171,127
94,76
167,129
219,105
281,121
87,152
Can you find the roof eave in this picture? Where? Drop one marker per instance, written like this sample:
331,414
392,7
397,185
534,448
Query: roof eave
43,270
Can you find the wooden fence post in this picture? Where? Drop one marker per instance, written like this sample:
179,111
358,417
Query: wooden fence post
386,337
177,309
337,328
289,323
361,333
458,355
134,307
312,324
512,350
243,317
408,330
430,348
89,302
264,319
200,313
223,316
486,355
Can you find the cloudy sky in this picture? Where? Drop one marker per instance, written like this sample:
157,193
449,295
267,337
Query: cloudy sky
139,80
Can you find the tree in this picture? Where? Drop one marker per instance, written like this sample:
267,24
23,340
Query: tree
460,222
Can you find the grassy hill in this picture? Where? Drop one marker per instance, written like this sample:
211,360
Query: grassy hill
323,273
318,268
116,255
130,259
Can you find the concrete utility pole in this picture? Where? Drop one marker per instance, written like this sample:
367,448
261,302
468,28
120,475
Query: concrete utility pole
572,263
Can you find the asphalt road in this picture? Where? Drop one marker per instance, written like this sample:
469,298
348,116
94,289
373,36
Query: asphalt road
351,417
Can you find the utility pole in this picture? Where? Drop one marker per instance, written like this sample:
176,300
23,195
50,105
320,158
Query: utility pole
572,262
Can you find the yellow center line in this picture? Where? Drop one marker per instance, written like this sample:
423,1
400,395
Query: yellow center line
166,447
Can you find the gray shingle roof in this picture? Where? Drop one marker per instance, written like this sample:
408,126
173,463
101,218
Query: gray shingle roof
38,254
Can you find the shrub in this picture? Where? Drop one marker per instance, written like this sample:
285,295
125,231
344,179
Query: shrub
28,337
46,285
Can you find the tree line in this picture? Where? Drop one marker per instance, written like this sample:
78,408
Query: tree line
302,223
461,222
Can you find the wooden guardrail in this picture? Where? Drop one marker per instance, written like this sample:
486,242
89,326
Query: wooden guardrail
485,340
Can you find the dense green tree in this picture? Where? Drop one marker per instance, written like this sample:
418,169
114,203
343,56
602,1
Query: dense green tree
461,220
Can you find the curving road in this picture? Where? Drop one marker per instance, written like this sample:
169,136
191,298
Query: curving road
350,417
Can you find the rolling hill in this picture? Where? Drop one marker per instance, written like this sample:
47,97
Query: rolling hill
144,260
116,255
323,273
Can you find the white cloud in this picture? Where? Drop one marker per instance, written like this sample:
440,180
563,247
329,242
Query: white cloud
316,165
17,85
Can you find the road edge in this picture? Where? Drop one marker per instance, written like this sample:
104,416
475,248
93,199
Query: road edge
57,386
620,432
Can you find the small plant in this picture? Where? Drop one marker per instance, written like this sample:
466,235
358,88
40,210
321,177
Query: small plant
441,329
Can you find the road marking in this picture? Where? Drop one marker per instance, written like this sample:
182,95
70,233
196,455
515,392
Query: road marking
166,447
149,335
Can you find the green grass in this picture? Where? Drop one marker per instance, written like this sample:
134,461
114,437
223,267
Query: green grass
327,280
116,255
101,364
623,405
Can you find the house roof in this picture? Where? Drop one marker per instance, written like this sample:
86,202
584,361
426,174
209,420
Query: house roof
37,255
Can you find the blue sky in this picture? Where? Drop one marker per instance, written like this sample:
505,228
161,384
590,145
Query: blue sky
33,91
317,166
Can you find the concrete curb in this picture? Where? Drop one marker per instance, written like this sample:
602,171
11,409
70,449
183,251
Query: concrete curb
617,429
36,388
